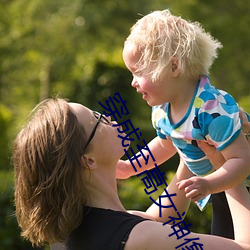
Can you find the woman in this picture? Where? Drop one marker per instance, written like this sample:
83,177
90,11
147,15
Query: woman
65,188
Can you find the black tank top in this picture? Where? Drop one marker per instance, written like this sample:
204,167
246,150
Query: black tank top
102,229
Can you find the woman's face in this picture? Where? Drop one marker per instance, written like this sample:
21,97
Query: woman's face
105,142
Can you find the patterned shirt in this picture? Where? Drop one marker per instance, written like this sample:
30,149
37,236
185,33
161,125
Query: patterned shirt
213,115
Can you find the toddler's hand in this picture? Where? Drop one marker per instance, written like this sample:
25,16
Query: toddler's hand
194,187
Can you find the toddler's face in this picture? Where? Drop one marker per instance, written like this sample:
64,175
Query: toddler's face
152,92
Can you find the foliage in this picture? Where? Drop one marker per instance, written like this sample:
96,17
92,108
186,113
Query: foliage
5,123
245,103
73,49
231,71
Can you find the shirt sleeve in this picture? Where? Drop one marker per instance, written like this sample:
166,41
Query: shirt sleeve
219,120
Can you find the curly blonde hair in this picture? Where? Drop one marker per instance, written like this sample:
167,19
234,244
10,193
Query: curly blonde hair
160,36
49,186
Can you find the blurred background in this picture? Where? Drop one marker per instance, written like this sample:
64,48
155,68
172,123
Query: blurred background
72,48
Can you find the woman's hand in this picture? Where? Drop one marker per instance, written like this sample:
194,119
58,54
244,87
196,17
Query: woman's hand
245,124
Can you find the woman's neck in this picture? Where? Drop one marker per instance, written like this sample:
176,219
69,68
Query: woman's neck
102,189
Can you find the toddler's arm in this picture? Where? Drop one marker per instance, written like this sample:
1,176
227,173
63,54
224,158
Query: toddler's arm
162,150
234,171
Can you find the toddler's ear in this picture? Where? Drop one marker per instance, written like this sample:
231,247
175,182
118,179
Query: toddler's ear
175,66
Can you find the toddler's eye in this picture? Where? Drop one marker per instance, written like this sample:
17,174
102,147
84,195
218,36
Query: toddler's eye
137,73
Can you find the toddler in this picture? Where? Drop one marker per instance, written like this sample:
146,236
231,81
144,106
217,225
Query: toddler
170,59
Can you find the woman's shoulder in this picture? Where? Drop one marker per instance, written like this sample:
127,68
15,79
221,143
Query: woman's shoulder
151,235
103,229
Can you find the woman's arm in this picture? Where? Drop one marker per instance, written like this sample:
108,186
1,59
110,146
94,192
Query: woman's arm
181,203
239,203
153,235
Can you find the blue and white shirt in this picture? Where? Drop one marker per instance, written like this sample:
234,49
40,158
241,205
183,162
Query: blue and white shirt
213,115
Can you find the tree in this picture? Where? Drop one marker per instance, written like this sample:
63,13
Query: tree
72,48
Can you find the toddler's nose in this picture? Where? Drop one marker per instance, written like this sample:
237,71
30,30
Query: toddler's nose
134,83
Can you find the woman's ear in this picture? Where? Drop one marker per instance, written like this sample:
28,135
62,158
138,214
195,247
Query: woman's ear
89,161
175,66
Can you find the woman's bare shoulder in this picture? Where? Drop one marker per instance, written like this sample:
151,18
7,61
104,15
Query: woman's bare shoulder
150,235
